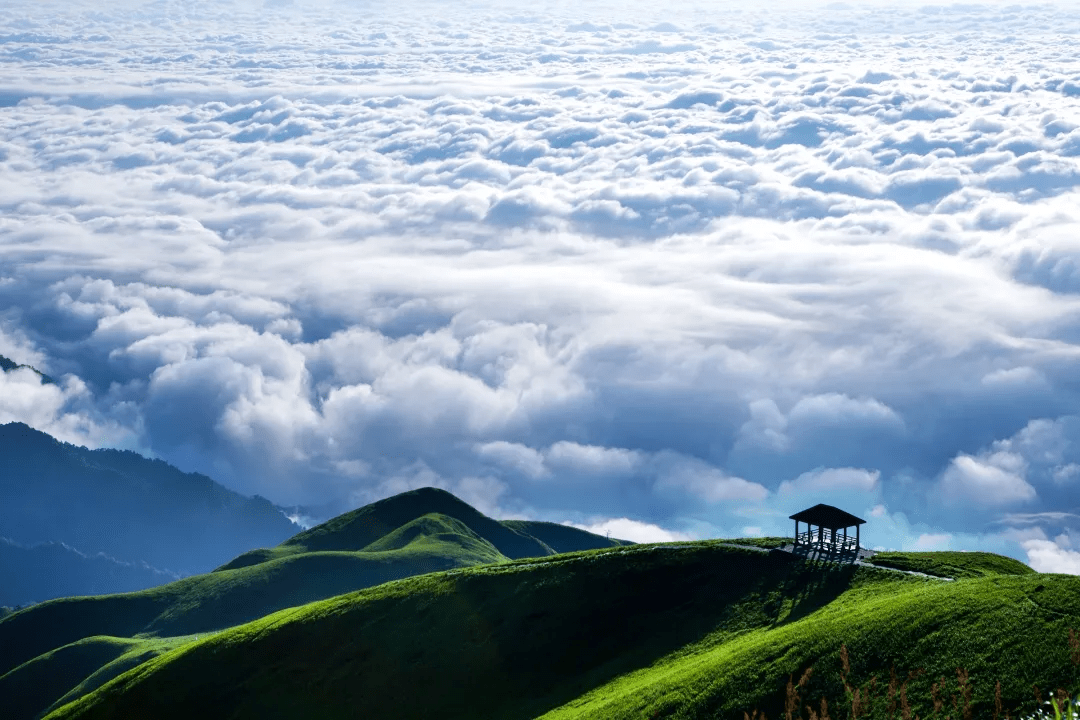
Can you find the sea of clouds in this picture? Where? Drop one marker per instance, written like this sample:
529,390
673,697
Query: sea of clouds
663,270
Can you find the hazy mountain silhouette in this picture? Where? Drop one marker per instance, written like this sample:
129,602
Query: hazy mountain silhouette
52,570
126,506
7,365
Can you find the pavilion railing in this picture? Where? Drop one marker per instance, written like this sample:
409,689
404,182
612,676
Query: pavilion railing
820,538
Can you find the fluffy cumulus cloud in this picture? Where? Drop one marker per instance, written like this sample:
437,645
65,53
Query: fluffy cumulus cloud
663,271
1053,556
633,530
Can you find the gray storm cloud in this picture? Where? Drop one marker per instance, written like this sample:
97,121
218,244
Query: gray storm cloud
665,272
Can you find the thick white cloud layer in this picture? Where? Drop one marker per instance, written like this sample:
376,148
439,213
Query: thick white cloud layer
668,271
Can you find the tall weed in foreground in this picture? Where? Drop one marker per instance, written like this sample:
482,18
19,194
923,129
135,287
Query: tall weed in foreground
891,702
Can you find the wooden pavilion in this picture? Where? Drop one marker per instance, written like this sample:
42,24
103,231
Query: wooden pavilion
827,519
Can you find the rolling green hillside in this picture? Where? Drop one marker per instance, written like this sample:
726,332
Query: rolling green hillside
36,684
359,529
952,564
65,674
40,639
222,599
362,527
678,630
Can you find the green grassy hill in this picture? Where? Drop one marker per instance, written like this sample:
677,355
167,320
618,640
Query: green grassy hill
36,684
350,618
362,527
952,564
679,630
38,645
226,598
359,529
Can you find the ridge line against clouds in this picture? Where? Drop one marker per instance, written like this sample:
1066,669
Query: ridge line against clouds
676,272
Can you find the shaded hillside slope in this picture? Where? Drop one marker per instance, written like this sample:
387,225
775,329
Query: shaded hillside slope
67,673
698,630
52,570
137,652
35,685
125,506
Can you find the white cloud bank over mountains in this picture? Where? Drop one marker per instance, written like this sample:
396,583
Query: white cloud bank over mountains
666,272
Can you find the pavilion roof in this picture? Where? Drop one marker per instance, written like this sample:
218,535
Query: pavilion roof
827,516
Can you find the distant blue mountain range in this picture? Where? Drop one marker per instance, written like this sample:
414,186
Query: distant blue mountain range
52,570
135,511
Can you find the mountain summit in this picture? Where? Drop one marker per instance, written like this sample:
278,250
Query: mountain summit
357,529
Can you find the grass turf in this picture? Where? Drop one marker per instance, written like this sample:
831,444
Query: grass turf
680,630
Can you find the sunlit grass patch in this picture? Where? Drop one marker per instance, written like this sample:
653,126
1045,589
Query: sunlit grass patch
874,700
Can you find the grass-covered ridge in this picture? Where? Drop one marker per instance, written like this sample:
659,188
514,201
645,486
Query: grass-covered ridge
62,675
366,529
952,564
360,528
679,630
36,684
37,640
218,600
